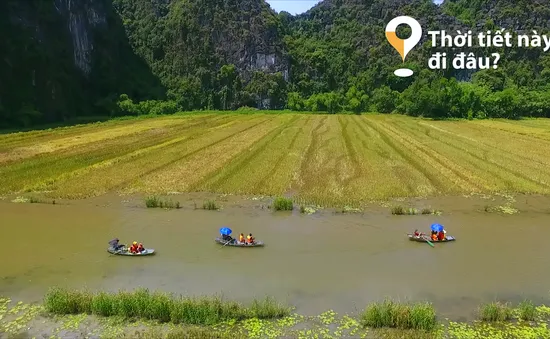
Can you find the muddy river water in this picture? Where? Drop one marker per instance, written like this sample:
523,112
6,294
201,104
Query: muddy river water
314,262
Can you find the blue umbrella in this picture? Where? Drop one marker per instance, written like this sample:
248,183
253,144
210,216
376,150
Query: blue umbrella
437,227
225,231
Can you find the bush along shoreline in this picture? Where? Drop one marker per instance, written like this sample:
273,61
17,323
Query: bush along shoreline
266,318
140,313
162,307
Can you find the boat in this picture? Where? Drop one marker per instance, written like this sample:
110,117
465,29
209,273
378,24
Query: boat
426,238
236,243
147,251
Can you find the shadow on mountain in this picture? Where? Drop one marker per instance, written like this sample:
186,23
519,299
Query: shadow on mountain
64,60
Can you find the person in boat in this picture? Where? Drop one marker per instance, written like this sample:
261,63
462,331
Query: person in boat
250,239
441,235
117,246
242,239
227,238
140,248
418,234
134,248
434,236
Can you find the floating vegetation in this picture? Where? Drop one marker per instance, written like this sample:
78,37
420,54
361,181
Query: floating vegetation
348,209
505,209
307,210
16,318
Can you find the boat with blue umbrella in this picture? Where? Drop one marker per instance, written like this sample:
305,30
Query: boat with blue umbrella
436,228
226,239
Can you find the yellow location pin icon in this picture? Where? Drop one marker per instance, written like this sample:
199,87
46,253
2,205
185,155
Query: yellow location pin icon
406,45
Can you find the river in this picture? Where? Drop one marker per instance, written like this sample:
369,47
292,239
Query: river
314,262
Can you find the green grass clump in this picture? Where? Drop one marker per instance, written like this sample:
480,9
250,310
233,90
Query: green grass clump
210,205
389,314
400,210
60,301
155,202
142,304
527,311
495,312
283,204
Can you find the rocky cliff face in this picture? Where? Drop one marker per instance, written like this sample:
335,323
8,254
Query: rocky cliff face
187,35
81,18
60,58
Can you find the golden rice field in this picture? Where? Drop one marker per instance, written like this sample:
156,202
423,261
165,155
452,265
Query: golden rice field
329,160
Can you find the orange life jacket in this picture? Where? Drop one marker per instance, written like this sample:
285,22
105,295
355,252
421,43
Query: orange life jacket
133,249
249,239
434,237
241,238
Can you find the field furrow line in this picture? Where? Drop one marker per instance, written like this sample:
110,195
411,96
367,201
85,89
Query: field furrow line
82,140
189,154
183,176
43,173
448,169
324,169
435,180
40,172
297,181
540,157
312,148
506,162
217,180
9,141
385,172
259,187
350,152
517,130
127,142
117,177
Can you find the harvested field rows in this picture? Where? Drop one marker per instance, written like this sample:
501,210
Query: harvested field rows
332,160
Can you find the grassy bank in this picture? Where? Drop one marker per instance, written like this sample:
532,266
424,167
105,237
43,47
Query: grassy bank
142,304
140,314
326,160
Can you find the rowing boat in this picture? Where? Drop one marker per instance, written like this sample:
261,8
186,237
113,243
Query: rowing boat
425,238
147,251
236,243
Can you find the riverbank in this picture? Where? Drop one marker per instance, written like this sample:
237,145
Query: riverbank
65,314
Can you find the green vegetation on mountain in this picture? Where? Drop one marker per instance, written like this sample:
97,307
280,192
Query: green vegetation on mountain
78,58
61,60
